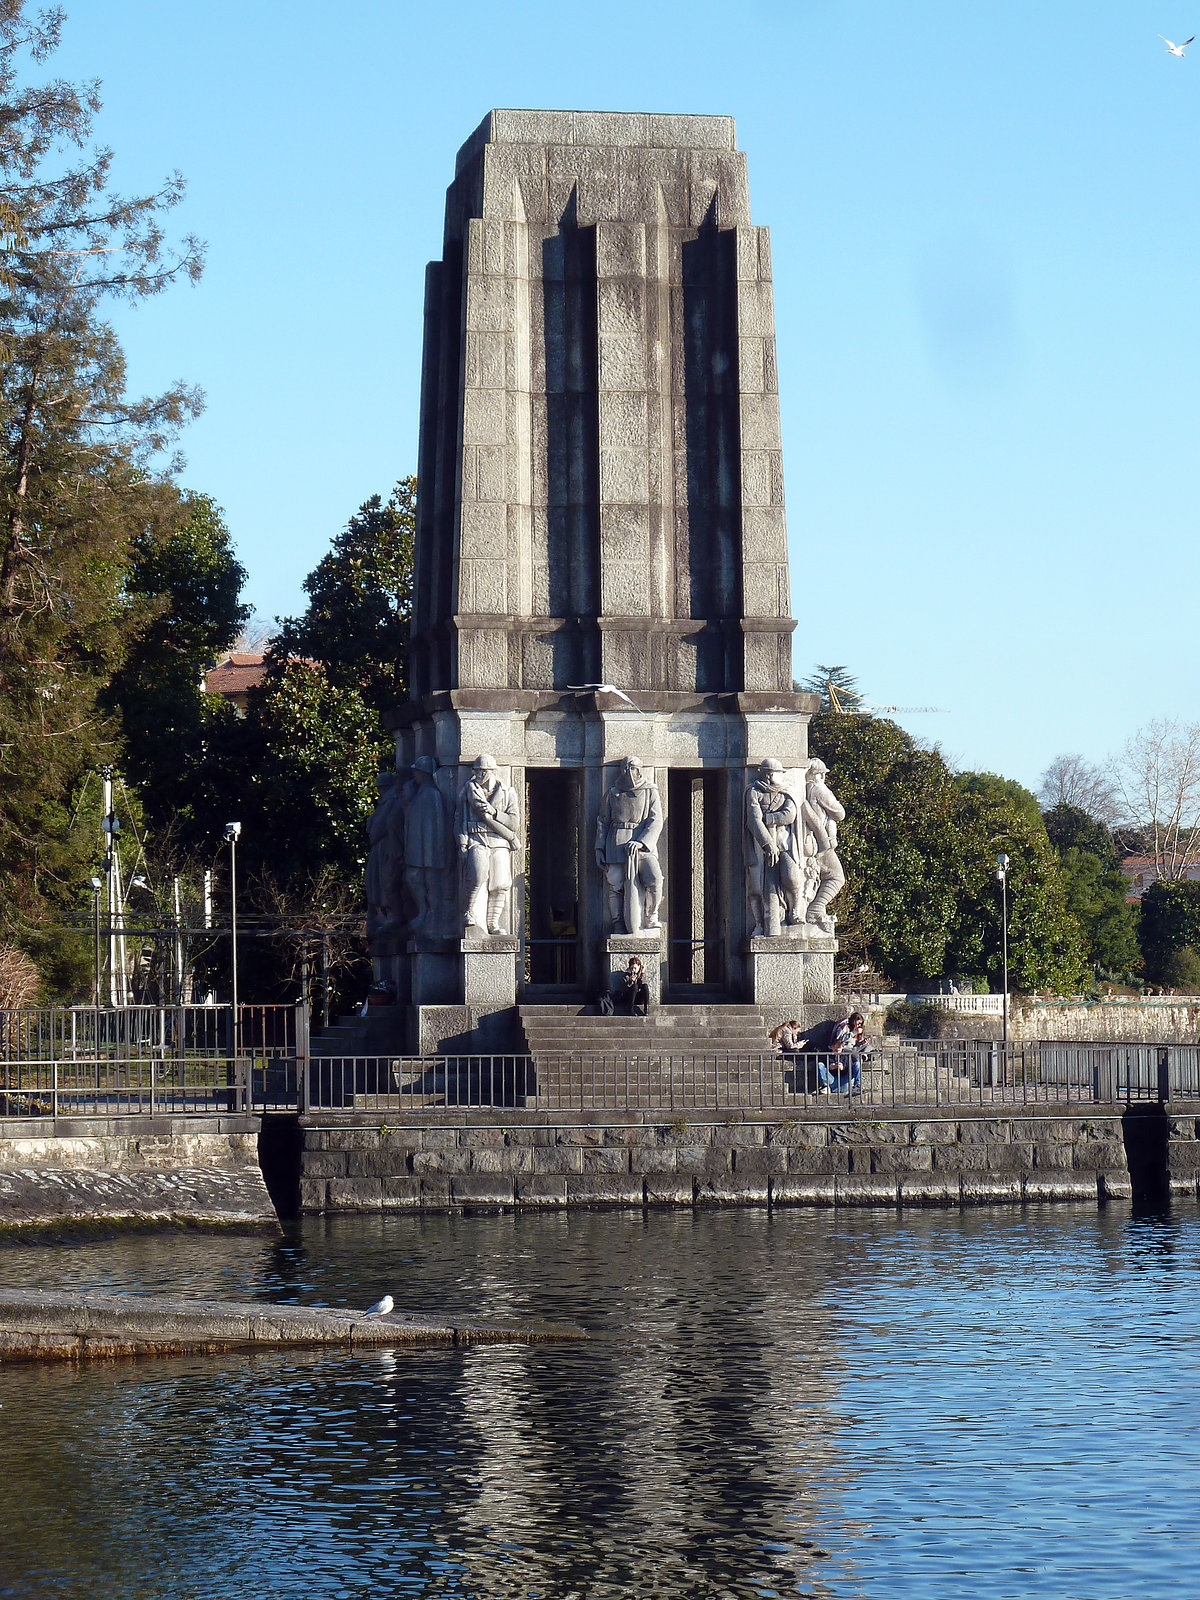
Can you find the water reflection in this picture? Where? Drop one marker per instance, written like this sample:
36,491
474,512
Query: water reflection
806,1404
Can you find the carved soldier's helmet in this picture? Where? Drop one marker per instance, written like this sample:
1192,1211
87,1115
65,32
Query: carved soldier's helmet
485,764
424,764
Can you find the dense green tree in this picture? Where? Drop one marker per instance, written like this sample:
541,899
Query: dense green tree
1070,827
1181,970
919,848
1170,922
75,491
1000,792
1096,888
311,759
188,576
360,602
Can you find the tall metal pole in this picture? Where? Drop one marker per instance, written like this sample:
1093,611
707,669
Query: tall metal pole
232,829
178,942
97,885
1002,874
1004,918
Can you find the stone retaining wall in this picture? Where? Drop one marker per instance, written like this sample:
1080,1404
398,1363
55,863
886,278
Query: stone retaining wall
523,1159
132,1171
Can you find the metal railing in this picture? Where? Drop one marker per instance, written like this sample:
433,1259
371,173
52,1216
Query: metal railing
92,1061
915,1074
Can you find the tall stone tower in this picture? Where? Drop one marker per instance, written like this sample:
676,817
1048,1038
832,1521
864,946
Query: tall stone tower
602,573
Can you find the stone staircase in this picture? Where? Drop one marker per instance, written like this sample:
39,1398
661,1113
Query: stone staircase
379,1033
678,1057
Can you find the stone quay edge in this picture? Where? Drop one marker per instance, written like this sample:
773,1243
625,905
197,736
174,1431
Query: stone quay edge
44,1325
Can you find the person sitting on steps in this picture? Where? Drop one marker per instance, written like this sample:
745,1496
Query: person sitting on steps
634,993
632,996
829,1056
847,1046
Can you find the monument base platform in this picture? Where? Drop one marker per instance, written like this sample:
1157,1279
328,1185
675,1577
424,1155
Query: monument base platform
791,974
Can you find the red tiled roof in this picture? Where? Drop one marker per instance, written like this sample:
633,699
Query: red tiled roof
1140,863
237,673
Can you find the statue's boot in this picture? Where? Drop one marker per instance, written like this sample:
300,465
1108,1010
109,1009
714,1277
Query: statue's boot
495,915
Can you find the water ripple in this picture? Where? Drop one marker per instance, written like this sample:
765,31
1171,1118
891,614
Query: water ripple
807,1404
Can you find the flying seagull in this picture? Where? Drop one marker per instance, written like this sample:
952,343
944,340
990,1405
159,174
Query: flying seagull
381,1308
601,688
1176,49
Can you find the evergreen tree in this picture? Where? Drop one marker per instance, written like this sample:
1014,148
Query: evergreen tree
191,582
1170,923
1096,888
360,602
919,848
831,682
75,490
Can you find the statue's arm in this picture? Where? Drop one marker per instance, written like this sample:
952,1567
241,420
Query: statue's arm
833,806
754,822
461,824
507,819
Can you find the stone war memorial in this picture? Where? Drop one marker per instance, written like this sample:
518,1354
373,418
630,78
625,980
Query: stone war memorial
603,755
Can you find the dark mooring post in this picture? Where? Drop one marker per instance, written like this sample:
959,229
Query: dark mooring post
302,1041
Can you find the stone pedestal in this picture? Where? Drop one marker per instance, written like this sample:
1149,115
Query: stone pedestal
489,968
433,966
650,948
477,1014
791,972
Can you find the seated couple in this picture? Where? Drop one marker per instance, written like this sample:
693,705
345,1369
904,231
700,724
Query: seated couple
632,993
837,1046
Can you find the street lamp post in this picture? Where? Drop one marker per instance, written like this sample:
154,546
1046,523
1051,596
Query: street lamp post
97,885
232,833
1002,874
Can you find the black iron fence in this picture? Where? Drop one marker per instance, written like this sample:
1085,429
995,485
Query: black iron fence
914,1074
91,1061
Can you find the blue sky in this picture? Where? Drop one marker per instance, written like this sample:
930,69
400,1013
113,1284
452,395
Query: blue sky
985,238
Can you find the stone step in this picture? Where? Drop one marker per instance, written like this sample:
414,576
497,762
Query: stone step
380,1032
579,1009
657,1038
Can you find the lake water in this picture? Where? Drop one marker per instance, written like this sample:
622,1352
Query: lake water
986,1404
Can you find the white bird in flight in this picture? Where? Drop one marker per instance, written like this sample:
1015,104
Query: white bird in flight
601,688
381,1307
1176,49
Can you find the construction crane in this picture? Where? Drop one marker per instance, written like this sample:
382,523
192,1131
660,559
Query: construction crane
858,707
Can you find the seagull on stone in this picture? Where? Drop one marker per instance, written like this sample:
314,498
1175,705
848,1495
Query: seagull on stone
381,1308
1176,49
601,688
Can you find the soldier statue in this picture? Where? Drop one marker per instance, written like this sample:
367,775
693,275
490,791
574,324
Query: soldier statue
426,848
822,813
488,827
773,852
627,831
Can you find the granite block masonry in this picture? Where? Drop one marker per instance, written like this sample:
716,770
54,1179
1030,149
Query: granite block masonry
477,1161
601,574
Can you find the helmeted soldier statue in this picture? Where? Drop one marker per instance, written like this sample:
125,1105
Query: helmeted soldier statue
487,823
773,852
426,847
627,831
822,812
